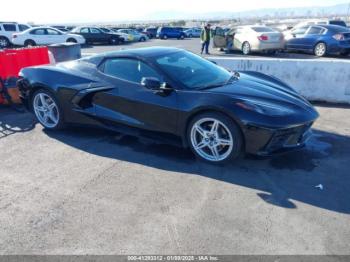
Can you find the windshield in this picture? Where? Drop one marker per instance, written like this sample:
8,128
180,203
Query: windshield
193,71
262,29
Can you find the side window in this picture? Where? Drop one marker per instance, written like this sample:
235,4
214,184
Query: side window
129,69
38,32
219,31
95,31
52,32
84,30
300,30
315,30
9,27
23,27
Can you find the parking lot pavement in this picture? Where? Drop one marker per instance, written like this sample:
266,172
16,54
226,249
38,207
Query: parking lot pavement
83,191
193,45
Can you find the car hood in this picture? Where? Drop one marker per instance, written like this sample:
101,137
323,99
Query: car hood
259,87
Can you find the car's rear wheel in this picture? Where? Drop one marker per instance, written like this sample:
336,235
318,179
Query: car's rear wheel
320,49
182,37
47,110
72,40
29,43
246,49
214,138
142,39
165,37
4,42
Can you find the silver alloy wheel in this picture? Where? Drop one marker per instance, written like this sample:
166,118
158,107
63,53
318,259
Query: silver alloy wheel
246,48
165,37
211,139
46,110
4,42
320,49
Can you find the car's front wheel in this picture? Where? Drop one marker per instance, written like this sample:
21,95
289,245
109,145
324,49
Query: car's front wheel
47,110
214,138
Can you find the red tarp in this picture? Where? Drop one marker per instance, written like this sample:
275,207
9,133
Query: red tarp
13,60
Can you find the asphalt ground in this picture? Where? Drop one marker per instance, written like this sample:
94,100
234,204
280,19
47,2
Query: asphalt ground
194,45
86,191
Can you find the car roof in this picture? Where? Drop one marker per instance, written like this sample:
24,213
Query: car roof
333,27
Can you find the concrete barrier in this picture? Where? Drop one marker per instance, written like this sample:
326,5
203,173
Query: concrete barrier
316,80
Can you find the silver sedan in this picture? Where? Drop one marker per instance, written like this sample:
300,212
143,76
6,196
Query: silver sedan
249,39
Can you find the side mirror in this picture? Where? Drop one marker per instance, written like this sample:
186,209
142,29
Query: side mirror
151,83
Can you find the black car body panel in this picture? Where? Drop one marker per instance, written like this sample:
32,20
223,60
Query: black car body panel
88,96
97,35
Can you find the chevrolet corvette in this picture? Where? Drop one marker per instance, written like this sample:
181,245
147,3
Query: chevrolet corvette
173,96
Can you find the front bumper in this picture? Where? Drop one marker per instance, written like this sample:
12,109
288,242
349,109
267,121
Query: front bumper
268,142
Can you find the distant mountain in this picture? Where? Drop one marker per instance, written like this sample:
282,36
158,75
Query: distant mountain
336,10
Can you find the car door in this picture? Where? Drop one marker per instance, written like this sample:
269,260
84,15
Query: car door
85,32
312,36
131,103
219,39
39,36
295,39
98,36
54,36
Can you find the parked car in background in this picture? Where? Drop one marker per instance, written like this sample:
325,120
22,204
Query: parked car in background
170,32
6,31
319,40
126,37
136,36
151,32
96,35
249,39
44,36
320,22
123,37
193,32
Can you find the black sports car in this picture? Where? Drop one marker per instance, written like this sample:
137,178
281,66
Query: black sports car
174,96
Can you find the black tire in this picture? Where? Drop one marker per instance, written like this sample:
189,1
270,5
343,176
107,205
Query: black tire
4,42
344,53
190,36
72,40
61,124
317,49
246,48
142,39
182,37
165,37
237,147
29,43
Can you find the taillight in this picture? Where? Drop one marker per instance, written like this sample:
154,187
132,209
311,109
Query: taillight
339,37
263,38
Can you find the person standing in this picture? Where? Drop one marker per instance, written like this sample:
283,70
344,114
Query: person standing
205,39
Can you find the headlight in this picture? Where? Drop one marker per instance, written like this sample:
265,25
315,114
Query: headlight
264,108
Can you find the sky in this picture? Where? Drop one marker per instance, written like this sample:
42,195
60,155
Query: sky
75,11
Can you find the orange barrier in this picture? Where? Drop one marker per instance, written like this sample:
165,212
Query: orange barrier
13,60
